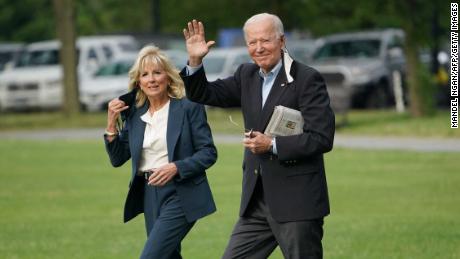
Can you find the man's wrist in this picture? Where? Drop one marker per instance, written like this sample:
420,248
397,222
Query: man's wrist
195,62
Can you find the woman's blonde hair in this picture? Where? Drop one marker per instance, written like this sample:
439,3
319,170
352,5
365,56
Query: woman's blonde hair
151,54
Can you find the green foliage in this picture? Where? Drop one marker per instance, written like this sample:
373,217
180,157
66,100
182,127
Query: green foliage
427,90
17,22
26,20
421,20
63,200
319,17
113,16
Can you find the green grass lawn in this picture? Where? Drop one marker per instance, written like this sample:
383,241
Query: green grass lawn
64,200
359,122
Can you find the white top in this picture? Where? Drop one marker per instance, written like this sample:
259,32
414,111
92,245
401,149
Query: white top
154,149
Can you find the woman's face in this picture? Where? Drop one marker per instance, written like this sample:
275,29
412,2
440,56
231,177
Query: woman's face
154,81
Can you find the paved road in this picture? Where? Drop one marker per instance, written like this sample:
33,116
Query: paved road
347,141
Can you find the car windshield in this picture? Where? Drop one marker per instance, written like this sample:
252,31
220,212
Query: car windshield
4,58
117,68
39,58
126,47
300,53
349,49
214,65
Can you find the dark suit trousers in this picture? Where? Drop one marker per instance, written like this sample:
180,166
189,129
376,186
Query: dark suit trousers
257,234
165,223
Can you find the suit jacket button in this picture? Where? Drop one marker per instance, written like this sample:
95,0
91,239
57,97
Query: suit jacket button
255,171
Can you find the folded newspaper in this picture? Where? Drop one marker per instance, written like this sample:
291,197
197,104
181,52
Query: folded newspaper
285,122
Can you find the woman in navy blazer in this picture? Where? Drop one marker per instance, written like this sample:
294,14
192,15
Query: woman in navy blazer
170,144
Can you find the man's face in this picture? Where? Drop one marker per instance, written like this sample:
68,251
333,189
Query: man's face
264,46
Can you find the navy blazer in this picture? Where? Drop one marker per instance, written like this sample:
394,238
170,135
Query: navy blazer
190,147
294,181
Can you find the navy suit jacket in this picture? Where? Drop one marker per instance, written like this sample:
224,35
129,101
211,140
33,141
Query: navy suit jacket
190,147
294,181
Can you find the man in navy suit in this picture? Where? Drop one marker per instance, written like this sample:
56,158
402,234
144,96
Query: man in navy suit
284,195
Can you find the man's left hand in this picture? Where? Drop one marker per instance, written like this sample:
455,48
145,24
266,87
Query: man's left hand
258,143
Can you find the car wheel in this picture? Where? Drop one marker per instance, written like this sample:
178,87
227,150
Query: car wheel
377,97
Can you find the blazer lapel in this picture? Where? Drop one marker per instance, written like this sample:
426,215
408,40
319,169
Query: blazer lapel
255,91
175,118
137,133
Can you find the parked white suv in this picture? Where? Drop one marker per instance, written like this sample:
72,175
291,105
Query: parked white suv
9,53
110,81
36,80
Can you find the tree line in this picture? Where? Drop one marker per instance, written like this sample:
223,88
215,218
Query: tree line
426,23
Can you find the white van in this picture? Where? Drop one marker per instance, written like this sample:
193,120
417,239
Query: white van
9,53
36,80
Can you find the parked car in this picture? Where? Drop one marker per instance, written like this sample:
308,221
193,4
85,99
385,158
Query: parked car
115,46
178,57
9,53
371,58
223,62
112,80
36,79
301,50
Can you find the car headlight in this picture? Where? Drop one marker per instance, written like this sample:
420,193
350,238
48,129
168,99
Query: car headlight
357,71
360,75
364,74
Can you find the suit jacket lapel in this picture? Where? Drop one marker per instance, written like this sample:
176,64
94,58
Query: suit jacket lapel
175,118
256,91
137,132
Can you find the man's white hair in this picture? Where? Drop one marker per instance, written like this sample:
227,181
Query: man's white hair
277,24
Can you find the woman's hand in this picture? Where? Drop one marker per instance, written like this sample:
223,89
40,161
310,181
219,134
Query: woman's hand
196,44
114,108
162,175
